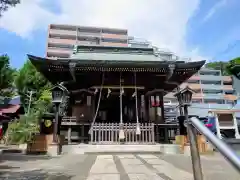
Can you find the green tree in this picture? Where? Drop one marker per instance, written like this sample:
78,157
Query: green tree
29,79
5,4
233,67
219,65
7,75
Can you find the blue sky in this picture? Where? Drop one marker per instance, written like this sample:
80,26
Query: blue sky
201,29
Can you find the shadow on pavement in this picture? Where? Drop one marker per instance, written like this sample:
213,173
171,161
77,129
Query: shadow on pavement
22,157
33,175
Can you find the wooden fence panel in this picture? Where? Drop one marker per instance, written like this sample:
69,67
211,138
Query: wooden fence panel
107,133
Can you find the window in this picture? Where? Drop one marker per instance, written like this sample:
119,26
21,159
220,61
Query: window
193,81
212,91
211,82
114,31
196,101
229,92
206,72
114,40
214,101
61,46
227,83
66,28
55,36
89,30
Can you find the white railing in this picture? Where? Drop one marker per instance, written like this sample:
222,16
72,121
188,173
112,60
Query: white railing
107,133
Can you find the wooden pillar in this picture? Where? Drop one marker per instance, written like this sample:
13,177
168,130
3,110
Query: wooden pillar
162,107
146,108
69,134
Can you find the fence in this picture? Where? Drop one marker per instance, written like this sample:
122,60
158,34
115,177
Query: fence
107,133
165,133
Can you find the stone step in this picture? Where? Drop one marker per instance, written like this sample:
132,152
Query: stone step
158,148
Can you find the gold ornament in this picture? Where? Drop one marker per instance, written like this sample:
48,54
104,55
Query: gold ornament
47,123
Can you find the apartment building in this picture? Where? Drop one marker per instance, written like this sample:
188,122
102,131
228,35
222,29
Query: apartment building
62,38
212,91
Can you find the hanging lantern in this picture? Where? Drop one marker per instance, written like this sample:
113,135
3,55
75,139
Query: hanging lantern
152,99
185,96
157,101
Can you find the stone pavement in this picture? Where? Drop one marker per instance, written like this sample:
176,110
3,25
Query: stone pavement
112,167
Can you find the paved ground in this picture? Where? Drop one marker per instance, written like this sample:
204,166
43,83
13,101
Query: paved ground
112,167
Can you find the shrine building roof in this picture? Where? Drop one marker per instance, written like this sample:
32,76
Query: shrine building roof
94,59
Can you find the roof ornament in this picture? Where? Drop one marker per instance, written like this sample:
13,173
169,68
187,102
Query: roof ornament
96,91
72,66
109,92
171,68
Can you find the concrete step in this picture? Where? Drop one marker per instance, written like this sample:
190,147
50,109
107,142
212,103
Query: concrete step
157,148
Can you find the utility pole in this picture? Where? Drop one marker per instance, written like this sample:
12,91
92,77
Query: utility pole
30,100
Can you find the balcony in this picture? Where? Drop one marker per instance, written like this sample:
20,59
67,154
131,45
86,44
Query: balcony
62,32
197,96
88,34
211,78
114,36
227,78
62,41
213,96
228,87
230,97
202,109
194,78
114,44
191,85
58,52
211,87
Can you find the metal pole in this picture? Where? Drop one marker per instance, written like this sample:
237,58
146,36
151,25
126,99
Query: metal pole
223,148
192,134
180,107
121,131
55,129
30,101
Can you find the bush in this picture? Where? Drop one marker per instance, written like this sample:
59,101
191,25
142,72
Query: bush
21,131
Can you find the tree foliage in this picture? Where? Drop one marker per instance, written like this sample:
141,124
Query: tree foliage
233,67
5,4
29,79
22,130
7,75
219,65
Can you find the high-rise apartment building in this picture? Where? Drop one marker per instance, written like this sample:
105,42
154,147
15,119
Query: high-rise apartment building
62,38
212,91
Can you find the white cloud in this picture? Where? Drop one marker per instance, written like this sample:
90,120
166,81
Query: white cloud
163,22
214,9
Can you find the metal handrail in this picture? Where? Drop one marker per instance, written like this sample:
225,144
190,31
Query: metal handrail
221,146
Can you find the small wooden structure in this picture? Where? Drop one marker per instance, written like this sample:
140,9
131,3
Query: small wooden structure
41,142
203,146
226,120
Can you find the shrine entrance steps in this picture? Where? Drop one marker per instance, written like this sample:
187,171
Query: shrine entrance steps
123,148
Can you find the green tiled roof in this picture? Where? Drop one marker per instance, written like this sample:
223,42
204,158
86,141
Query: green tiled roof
115,56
